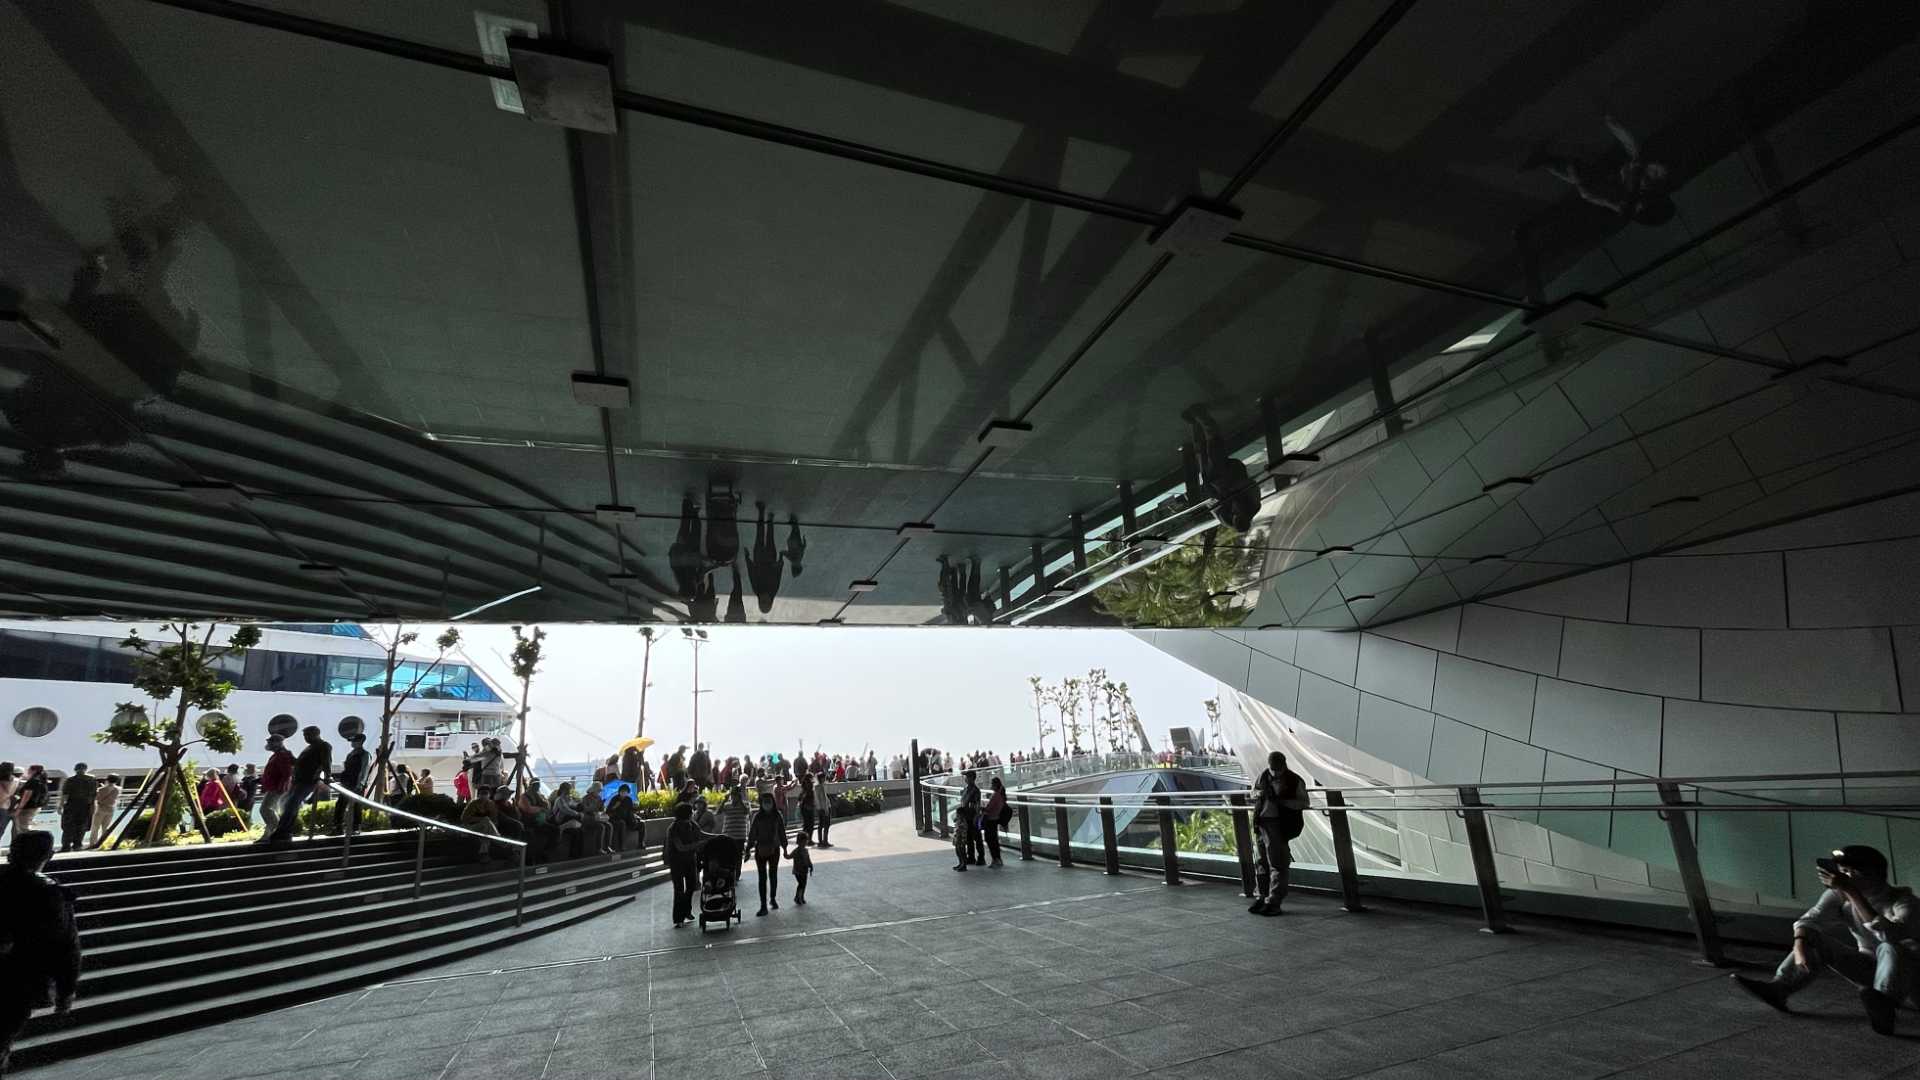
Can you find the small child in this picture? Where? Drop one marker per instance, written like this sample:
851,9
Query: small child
801,863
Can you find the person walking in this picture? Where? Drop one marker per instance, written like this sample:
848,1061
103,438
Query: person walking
105,802
76,806
767,832
37,937
309,771
996,817
352,775
736,817
700,767
802,864
275,779
808,806
683,862
1280,801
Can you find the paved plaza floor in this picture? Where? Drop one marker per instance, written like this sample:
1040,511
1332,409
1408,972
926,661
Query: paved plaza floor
901,968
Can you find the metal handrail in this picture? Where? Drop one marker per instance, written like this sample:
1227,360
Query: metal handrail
420,845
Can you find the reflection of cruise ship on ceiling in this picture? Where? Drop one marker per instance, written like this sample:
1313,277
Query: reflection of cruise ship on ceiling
60,682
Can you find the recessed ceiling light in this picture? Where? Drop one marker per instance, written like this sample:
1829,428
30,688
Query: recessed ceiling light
615,514
1006,433
1507,481
601,391
1198,224
864,585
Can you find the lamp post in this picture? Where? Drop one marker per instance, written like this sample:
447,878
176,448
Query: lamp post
696,638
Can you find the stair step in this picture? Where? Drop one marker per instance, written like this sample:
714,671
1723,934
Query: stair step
46,1042
150,875
110,860
173,939
163,974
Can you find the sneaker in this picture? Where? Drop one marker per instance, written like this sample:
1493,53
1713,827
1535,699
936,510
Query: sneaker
762,911
962,868
1258,907
1879,1009
1766,990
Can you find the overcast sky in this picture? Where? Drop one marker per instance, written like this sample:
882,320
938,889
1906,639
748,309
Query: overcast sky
839,688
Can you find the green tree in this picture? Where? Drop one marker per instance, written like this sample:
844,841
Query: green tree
527,653
1194,586
1041,696
393,699
187,670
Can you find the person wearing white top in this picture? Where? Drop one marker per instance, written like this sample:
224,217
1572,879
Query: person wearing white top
1861,929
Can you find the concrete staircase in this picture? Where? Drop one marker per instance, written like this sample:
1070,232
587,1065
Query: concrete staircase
176,937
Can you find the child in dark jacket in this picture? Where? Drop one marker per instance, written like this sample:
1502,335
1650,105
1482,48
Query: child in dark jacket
801,861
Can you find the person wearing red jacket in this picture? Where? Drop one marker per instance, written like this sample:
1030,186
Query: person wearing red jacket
275,779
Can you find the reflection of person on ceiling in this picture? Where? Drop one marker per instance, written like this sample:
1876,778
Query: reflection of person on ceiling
979,609
763,561
1635,189
704,607
684,555
953,601
796,547
736,606
1235,498
723,525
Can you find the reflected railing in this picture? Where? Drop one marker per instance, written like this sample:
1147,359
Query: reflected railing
352,824
1687,828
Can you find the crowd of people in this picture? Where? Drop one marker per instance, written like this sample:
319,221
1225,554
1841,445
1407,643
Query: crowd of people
708,770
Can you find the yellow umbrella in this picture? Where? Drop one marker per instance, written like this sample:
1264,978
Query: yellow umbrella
640,743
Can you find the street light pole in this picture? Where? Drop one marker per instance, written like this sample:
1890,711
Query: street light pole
696,638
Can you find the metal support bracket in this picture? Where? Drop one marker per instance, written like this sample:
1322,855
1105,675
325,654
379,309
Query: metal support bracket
1486,873
1687,860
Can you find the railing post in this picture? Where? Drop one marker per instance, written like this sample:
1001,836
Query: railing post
1060,831
1485,873
1026,835
946,831
520,894
1243,842
347,820
1169,852
913,789
1343,852
1687,859
1109,840
419,858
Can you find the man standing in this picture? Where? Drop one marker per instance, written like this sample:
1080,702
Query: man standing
274,781
1280,799
37,937
249,789
974,850
700,766
76,807
309,769
352,775
1861,929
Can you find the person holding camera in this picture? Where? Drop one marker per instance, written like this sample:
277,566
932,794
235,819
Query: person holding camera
1861,929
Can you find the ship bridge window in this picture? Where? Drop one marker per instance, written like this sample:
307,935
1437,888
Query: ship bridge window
35,723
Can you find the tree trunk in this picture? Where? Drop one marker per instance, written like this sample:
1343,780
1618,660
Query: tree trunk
193,803
127,815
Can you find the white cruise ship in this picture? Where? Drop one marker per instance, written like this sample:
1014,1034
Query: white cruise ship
60,683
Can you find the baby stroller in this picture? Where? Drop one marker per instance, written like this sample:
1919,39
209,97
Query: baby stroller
719,879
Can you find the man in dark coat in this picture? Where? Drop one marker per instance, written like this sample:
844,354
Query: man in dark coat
1279,805
76,807
352,776
39,946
